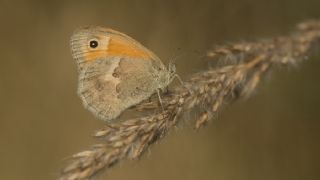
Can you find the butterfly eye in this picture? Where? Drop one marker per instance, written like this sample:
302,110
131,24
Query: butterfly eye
93,44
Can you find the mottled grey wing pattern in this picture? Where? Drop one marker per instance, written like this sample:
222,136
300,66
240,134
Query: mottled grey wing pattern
107,89
97,88
138,80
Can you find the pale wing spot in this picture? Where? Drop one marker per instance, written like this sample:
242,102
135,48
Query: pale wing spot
109,74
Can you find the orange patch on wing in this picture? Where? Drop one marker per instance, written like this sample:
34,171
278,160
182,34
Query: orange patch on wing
90,56
118,46
121,47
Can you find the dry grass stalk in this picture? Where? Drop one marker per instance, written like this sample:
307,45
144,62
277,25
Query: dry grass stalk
206,91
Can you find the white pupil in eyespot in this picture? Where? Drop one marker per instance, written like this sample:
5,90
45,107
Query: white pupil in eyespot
93,44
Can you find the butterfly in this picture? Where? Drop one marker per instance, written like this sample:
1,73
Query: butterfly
115,71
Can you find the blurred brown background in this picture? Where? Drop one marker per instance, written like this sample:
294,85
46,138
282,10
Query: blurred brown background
273,135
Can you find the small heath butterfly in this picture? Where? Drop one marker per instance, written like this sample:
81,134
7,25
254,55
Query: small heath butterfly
115,71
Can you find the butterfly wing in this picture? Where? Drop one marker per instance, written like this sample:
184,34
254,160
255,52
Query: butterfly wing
97,88
116,74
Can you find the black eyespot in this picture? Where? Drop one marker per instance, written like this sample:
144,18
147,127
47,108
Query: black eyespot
93,44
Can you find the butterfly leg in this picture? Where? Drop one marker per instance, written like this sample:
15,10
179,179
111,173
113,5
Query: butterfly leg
181,82
160,100
172,70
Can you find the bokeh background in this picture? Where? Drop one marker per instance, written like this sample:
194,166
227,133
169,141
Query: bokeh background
273,135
